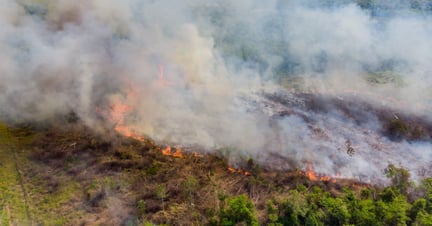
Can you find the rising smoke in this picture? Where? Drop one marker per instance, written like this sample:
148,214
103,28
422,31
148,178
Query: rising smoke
222,73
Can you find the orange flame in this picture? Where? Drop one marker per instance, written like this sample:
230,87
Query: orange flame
335,177
117,114
239,170
325,178
119,110
310,173
167,151
178,153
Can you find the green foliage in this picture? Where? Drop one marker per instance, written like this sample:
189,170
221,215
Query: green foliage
272,214
239,210
394,212
161,193
423,219
419,206
315,206
301,188
397,128
294,209
425,189
123,155
400,178
318,207
363,213
366,194
336,211
152,170
141,207
388,195
190,186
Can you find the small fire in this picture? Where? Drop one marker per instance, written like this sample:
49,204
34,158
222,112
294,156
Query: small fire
310,173
167,151
118,110
325,178
178,153
335,177
232,170
239,170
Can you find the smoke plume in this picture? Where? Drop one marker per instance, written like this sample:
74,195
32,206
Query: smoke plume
284,82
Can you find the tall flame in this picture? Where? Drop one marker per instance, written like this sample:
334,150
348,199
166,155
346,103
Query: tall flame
310,173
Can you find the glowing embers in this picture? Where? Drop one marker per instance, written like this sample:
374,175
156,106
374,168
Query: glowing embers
177,153
239,170
310,173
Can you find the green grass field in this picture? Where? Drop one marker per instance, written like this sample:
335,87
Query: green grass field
14,206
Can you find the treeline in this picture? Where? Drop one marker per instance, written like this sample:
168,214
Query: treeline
422,5
401,203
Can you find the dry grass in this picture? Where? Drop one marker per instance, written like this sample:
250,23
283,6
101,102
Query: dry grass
77,177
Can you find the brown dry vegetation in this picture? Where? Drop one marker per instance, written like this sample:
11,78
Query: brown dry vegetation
77,177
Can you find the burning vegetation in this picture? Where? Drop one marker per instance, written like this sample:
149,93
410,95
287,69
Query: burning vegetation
122,180
215,113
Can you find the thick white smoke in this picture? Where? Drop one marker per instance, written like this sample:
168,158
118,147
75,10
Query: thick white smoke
219,74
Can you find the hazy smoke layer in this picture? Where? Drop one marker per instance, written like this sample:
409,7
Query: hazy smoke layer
197,72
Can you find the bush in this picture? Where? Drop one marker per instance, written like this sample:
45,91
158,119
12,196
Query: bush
397,129
400,178
239,210
141,207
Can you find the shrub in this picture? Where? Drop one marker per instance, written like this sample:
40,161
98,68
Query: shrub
400,178
239,210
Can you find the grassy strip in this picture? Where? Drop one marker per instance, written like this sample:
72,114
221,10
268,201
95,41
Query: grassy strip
14,207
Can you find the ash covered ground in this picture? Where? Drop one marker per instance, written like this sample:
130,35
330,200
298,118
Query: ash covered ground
345,135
